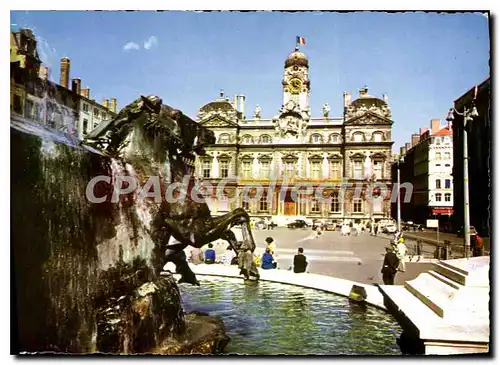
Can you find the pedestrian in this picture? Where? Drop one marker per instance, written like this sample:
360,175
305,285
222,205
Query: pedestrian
478,246
299,261
401,253
376,229
210,254
271,245
389,267
196,256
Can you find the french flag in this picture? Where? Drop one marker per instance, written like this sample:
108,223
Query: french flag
301,40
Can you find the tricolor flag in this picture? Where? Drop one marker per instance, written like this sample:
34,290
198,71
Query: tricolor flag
301,40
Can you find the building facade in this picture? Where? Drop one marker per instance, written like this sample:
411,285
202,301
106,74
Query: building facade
295,150
58,106
426,163
480,163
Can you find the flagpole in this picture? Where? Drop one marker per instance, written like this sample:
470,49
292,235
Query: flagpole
296,43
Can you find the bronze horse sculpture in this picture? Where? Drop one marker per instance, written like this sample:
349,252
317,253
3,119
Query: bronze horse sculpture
157,139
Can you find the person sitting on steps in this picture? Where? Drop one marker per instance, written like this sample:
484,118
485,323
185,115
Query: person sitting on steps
268,260
299,261
210,254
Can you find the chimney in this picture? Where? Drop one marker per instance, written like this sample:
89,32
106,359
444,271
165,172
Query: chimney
347,99
423,130
235,103
242,105
113,105
407,146
105,103
363,91
43,73
76,85
65,72
385,98
415,138
435,125
85,93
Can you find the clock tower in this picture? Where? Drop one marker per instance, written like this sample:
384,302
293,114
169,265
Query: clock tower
296,85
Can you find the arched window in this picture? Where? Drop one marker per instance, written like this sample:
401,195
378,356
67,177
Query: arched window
377,137
358,137
265,139
438,183
316,138
437,141
224,138
247,139
334,138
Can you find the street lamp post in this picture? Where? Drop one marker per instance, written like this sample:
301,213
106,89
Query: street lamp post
399,193
469,115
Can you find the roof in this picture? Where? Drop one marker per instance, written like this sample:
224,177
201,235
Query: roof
296,58
446,131
224,105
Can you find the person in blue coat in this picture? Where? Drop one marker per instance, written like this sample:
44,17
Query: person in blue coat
210,254
268,260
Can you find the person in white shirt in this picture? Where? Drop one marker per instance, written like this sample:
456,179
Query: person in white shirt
401,253
227,257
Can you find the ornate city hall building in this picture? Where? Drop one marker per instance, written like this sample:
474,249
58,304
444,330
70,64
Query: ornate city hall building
295,148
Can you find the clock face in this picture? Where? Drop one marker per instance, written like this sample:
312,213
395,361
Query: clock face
295,86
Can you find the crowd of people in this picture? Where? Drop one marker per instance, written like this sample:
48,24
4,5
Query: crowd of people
267,261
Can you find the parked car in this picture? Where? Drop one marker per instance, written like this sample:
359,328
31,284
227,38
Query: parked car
330,226
298,223
390,228
260,225
460,232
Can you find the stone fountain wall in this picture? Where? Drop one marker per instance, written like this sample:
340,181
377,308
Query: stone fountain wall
82,273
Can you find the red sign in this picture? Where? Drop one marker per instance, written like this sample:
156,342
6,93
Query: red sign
442,211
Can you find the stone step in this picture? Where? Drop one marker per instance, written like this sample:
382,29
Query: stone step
444,279
452,266
434,293
450,273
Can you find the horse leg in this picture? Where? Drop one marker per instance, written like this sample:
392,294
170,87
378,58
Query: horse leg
178,257
168,249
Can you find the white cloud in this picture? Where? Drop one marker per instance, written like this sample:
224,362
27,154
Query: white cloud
131,46
151,42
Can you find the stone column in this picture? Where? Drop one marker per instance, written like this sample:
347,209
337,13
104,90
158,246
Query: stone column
299,171
215,167
255,167
325,166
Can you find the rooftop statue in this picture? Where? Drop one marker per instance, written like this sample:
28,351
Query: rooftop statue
158,140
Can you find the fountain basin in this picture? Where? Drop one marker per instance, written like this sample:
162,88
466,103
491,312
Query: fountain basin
268,318
324,283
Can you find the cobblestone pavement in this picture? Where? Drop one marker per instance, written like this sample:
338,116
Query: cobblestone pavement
357,258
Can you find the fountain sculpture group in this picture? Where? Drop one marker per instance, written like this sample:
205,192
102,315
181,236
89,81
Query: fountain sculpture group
87,275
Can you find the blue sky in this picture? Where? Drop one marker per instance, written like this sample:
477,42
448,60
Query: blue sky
422,61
